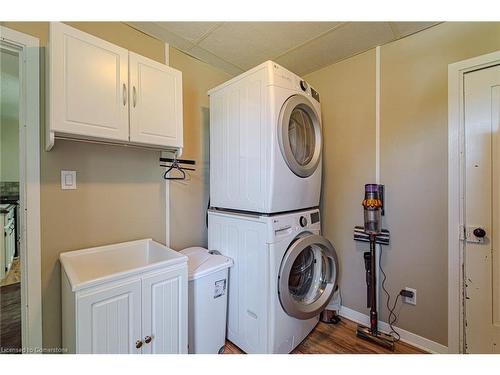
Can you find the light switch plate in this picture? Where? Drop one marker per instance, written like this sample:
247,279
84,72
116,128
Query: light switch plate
68,180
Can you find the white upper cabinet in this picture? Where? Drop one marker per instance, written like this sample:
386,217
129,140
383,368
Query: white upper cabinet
99,91
155,102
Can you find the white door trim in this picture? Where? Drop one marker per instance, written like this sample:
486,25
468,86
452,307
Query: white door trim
31,310
456,130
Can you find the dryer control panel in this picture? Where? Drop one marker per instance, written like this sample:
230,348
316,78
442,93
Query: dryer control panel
286,79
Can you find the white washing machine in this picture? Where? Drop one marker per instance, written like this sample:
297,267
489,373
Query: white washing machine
265,142
284,275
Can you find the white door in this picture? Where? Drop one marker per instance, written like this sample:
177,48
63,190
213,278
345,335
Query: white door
482,210
164,312
109,320
88,85
155,102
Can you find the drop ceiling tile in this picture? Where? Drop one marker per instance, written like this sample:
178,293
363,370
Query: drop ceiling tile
345,41
157,31
407,28
214,60
247,44
191,31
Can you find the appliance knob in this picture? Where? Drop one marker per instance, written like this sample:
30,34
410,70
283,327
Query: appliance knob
303,221
303,85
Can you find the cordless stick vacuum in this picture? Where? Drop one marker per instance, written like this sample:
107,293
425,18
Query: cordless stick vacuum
372,205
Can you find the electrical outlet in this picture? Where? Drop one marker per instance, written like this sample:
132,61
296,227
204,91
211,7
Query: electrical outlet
412,300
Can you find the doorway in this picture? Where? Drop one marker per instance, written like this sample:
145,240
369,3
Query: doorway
10,257
20,282
473,205
482,211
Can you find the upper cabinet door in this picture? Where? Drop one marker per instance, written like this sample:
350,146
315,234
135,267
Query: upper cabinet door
155,102
88,85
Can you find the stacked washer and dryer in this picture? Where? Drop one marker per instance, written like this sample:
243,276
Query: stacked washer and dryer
265,184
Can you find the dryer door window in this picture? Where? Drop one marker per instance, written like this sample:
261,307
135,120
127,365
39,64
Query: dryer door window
299,135
308,276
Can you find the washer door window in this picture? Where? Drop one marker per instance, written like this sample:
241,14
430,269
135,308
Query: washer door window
308,276
299,134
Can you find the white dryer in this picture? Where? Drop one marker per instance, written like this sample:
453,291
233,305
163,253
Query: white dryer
284,275
265,142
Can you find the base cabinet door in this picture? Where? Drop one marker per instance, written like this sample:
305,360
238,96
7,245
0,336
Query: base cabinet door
109,319
164,312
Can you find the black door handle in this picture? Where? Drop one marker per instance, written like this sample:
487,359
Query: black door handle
479,232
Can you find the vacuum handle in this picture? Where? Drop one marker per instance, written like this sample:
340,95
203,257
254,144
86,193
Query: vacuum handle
367,258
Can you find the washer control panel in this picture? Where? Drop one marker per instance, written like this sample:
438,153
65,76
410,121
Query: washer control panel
294,223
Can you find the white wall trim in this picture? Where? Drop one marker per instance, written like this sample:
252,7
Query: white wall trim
31,294
406,336
377,115
167,54
456,129
167,204
167,183
378,248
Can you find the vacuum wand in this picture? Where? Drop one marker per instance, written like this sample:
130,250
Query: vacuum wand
373,287
372,209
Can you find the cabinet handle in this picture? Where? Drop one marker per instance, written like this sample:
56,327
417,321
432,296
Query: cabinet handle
138,344
148,339
134,96
124,94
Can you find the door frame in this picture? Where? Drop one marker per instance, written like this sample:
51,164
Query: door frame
29,195
456,146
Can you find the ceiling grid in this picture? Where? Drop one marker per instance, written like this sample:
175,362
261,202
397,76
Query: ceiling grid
302,47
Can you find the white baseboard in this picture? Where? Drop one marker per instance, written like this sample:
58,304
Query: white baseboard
408,337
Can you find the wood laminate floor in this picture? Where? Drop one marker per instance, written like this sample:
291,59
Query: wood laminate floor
10,318
337,339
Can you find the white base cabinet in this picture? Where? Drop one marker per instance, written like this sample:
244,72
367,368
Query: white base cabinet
144,313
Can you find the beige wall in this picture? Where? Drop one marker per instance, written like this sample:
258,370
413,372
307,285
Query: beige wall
413,163
120,193
188,200
347,92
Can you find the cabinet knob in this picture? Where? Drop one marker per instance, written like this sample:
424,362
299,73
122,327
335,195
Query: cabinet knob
138,344
148,339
